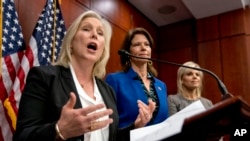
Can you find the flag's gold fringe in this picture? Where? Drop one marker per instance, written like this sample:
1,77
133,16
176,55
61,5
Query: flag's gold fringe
10,112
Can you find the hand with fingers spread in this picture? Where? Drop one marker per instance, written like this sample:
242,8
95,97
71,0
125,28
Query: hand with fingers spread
68,100
145,113
138,80
76,122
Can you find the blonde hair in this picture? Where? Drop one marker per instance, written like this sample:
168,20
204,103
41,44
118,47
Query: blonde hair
64,59
181,71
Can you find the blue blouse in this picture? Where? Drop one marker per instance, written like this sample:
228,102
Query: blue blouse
151,94
128,90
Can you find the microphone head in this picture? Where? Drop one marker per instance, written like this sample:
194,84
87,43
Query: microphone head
123,52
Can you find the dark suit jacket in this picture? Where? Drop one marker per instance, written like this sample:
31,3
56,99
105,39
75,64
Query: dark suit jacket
46,91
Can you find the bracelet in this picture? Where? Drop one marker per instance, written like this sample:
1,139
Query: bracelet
59,133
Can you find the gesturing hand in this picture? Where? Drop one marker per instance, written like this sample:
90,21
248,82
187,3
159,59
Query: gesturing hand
76,122
145,113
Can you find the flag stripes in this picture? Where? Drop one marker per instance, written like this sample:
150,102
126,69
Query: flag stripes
17,59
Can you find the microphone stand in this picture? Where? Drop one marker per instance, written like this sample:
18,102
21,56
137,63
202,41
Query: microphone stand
222,87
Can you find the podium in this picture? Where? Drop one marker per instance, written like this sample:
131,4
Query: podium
229,118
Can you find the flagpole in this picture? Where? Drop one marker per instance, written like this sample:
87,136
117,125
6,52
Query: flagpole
54,33
1,32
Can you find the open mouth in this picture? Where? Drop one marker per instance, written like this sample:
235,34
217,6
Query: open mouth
92,46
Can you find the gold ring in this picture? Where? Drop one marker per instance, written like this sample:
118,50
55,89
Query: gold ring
92,125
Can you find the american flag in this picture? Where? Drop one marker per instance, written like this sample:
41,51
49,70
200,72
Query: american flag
17,60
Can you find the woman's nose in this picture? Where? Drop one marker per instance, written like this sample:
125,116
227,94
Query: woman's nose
195,76
143,47
94,35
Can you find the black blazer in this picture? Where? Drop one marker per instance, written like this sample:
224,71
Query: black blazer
46,91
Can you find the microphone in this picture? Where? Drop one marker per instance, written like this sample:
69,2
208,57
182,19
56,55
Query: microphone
221,85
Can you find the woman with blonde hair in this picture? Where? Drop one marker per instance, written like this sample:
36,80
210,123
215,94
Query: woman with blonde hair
189,85
69,100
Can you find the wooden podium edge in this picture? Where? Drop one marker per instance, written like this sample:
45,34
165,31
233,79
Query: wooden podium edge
224,118
236,101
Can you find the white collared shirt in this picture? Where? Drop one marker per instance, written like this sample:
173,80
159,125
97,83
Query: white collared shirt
97,135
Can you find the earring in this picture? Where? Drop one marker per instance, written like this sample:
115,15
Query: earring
150,63
128,63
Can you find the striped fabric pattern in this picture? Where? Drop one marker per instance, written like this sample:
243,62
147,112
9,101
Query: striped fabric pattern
17,58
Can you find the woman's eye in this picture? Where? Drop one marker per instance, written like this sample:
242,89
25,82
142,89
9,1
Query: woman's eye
100,33
85,29
147,44
136,44
197,74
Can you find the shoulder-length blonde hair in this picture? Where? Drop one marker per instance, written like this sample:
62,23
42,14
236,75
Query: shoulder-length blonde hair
64,59
181,71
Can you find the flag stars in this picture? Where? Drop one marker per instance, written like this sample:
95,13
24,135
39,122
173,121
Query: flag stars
49,26
58,36
48,32
10,45
61,22
39,29
20,43
10,7
57,11
14,29
52,12
42,16
43,55
48,59
46,20
7,23
50,19
59,29
12,37
44,47
16,21
46,39
4,39
50,6
6,31
20,35
3,48
8,15
45,32
40,22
